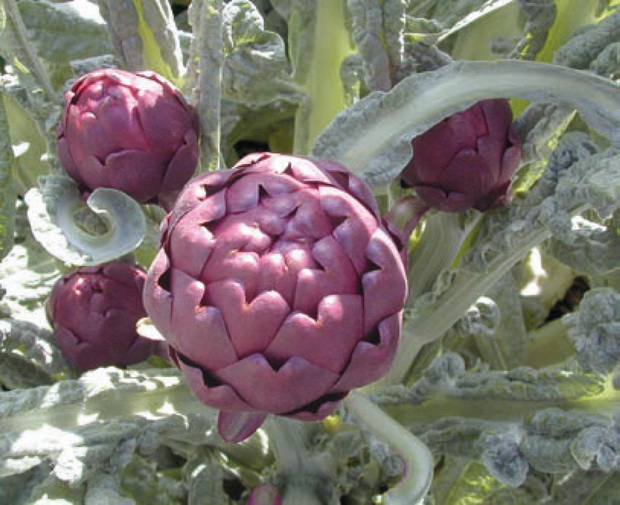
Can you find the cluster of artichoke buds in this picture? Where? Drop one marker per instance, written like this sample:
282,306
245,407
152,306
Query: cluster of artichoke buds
277,289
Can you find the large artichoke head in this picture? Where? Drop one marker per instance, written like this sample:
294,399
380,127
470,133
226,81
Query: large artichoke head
277,289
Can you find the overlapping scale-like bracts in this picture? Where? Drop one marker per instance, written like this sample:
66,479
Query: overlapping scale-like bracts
131,131
466,161
277,288
94,311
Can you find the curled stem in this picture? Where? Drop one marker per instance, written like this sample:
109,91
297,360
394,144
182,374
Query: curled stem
417,458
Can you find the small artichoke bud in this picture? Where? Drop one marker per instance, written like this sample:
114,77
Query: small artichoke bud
277,289
131,131
467,160
94,311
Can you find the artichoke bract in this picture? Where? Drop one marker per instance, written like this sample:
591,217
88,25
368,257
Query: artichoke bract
131,131
277,289
467,160
93,312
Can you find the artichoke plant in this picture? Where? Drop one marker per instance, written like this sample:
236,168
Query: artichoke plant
131,131
277,289
94,311
467,160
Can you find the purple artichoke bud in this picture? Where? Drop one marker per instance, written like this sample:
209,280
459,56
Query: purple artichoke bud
467,160
129,131
94,311
277,289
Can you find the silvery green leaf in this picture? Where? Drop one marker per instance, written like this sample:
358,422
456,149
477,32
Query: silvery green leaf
457,436
593,487
142,478
103,488
91,427
539,127
256,69
607,63
540,16
17,372
204,76
472,12
206,486
504,347
76,404
595,330
27,140
597,446
283,7
17,49
582,49
116,222
503,460
421,57
144,35
378,33
86,65
8,194
51,491
33,342
27,274
463,480
34,105
497,396
481,319
444,11
594,248
16,489
273,20
65,31
373,137
146,251
528,384
563,441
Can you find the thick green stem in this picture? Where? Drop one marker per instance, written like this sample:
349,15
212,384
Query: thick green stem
317,72
441,241
290,445
205,71
26,50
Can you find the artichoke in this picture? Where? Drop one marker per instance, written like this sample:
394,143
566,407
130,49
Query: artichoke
131,131
94,311
277,289
467,160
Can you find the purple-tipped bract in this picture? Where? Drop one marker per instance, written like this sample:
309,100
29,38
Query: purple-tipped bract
277,289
